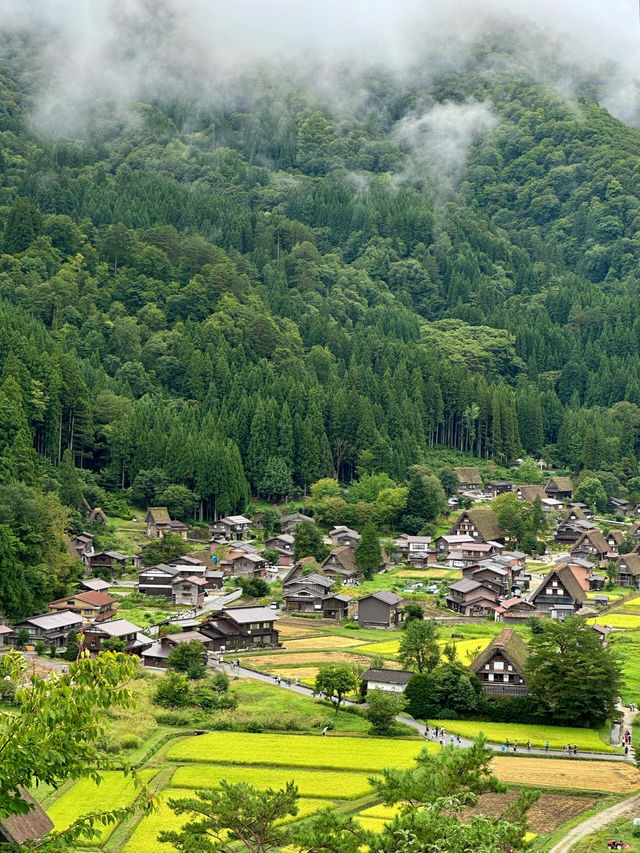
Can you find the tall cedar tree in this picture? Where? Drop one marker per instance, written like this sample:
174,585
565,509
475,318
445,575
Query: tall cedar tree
368,552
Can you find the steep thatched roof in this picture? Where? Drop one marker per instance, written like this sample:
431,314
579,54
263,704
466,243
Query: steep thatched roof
573,513
158,515
19,828
345,556
530,493
507,643
596,538
568,580
631,562
560,484
486,522
468,475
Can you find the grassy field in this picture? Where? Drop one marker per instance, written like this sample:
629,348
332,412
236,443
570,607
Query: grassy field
114,791
264,703
322,784
334,753
588,740
429,574
621,830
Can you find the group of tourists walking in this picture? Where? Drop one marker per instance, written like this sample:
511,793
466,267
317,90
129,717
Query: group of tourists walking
439,734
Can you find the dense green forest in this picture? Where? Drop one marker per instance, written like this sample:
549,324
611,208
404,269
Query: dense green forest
245,299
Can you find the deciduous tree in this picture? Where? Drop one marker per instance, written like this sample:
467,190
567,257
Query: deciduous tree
418,648
335,681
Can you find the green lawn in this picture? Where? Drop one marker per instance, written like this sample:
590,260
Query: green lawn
115,791
323,784
334,753
588,740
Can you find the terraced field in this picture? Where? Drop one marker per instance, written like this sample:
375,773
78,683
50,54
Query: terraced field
114,791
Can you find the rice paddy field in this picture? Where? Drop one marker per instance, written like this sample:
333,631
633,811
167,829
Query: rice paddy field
588,740
366,754
466,650
617,620
605,776
319,784
114,791
326,641
632,605
334,770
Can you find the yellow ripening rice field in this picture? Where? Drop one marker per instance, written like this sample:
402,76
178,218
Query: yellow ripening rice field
424,573
307,751
327,641
114,791
320,784
466,650
616,620
288,630
633,605
610,776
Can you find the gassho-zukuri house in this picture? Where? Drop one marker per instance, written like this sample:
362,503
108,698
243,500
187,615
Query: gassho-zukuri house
500,667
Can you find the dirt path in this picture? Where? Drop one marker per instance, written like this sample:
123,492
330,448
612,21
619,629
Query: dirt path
598,821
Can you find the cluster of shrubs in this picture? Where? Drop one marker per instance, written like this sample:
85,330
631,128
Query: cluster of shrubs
450,692
173,691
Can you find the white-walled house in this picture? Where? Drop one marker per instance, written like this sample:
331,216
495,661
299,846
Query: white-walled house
391,680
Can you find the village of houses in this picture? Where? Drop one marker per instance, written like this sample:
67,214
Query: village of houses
492,583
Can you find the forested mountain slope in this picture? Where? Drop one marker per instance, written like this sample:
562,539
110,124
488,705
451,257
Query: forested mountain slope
278,285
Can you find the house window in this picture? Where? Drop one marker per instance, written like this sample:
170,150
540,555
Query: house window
498,666
549,591
490,676
510,668
554,583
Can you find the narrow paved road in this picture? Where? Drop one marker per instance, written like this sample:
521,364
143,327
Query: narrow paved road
597,821
302,689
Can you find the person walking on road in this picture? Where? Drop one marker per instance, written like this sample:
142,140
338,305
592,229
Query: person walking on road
546,746
529,746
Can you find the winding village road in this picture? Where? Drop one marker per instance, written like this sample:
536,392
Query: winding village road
244,672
